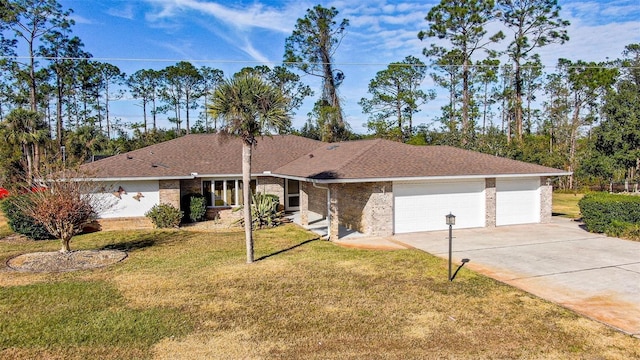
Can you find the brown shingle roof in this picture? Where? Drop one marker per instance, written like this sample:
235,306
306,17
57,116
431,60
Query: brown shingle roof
294,156
371,159
205,154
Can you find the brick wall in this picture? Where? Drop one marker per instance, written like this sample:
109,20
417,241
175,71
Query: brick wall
367,207
170,192
191,186
312,199
317,199
271,185
546,200
490,202
130,223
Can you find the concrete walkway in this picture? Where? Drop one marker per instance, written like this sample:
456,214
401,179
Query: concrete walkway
591,274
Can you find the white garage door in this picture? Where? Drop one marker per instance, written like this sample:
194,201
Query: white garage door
517,201
422,206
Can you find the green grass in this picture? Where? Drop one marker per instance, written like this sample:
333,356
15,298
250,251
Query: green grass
188,295
566,204
77,314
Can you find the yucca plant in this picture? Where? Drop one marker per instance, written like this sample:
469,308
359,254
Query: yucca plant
264,211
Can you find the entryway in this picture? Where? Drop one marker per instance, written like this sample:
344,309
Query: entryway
292,195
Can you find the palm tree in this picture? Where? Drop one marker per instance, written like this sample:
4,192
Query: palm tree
249,107
26,129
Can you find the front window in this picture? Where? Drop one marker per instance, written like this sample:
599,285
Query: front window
224,193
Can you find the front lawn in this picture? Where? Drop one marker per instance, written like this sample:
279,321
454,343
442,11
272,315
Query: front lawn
566,204
189,295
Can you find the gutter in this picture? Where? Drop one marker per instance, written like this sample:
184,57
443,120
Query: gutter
419,178
141,178
193,175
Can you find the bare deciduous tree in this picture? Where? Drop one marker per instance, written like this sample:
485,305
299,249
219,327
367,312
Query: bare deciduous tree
64,205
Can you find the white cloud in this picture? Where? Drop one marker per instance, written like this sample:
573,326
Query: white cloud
602,12
243,18
255,54
593,43
125,12
81,19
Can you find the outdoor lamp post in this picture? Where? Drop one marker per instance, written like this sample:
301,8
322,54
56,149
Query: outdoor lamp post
451,220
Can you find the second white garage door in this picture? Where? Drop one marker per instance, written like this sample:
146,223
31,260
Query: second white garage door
422,206
517,201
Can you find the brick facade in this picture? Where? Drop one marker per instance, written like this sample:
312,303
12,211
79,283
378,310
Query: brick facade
317,199
312,199
191,186
169,191
130,223
271,185
365,207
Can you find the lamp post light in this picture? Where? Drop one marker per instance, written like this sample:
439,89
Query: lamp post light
451,220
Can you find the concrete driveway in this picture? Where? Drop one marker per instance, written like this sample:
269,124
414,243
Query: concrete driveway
592,274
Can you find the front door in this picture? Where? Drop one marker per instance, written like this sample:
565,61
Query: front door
292,195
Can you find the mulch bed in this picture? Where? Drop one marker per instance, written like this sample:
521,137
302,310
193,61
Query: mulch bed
56,261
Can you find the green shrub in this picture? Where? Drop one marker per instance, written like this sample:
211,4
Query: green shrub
616,228
194,207
631,232
264,211
603,212
19,222
165,216
198,208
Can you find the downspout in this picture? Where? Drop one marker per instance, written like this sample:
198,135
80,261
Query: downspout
315,185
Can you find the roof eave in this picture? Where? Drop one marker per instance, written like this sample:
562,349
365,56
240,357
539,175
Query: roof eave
177,177
141,178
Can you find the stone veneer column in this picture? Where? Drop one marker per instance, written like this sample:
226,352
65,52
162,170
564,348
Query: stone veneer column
334,213
490,202
304,202
546,197
378,212
169,192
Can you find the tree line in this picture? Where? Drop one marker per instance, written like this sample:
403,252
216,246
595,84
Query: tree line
55,102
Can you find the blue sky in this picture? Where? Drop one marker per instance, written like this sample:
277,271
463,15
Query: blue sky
229,35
